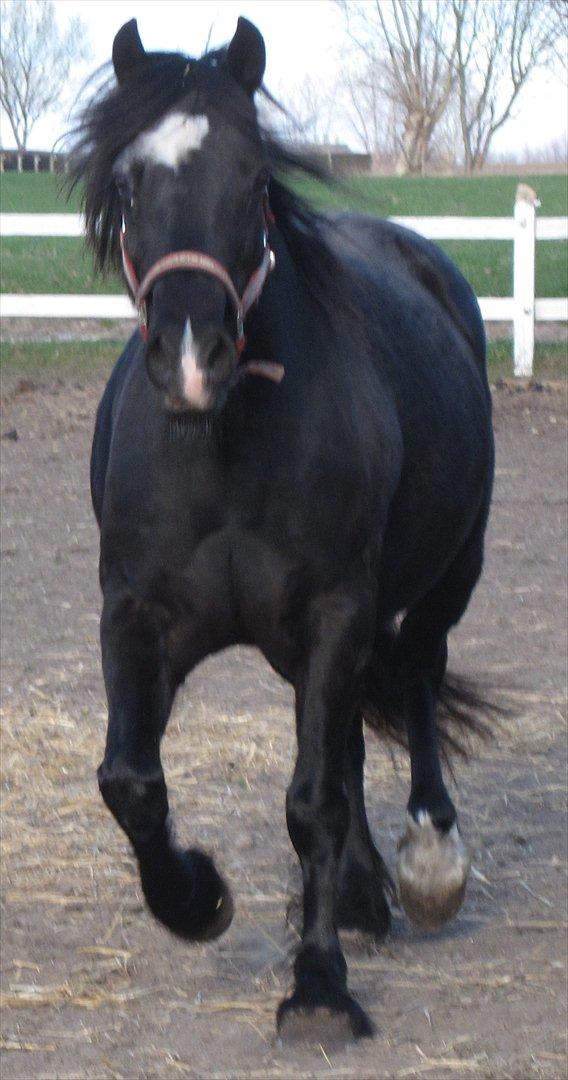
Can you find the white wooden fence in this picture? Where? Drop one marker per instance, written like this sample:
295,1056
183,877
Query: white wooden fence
524,228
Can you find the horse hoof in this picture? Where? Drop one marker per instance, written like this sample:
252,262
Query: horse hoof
302,1022
186,893
432,869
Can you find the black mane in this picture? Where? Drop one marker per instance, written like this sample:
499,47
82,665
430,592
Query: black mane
118,114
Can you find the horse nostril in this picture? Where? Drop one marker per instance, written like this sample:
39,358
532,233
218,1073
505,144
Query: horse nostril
219,355
217,351
158,361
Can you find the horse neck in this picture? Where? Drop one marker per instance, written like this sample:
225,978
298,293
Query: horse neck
275,326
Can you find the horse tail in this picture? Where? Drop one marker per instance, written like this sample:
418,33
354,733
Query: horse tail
464,710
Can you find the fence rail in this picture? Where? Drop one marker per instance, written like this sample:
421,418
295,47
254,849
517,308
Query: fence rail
435,228
524,229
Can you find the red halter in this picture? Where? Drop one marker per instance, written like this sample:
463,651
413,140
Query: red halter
198,260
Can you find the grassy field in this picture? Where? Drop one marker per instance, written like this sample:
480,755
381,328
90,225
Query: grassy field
61,264
468,196
36,193
50,264
85,361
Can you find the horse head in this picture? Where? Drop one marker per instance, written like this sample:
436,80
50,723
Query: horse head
191,191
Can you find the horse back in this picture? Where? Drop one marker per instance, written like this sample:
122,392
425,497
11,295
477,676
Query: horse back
414,260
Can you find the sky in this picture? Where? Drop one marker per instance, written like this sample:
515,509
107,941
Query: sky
302,37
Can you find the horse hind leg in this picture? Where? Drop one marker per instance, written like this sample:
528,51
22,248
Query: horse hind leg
364,881
433,862
182,888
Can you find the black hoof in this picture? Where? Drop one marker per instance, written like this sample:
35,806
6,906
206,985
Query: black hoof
362,904
332,1022
185,892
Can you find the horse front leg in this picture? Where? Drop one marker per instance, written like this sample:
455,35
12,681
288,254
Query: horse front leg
317,811
364,881
182,888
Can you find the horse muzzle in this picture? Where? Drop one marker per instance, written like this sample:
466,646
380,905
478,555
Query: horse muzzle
194,371
209,364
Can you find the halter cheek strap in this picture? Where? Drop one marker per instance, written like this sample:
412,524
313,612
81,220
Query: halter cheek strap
198,260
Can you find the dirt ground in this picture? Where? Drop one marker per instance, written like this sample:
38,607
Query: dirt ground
98,329
92,987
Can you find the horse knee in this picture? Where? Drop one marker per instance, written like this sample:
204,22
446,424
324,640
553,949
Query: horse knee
314,822
138,802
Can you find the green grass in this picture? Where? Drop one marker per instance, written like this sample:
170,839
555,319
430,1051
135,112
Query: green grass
468,196
36,193
50,264
440,196
488,266
87,361
62,265
59,265
550,360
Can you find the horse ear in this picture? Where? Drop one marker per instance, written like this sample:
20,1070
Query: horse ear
127,51
246,56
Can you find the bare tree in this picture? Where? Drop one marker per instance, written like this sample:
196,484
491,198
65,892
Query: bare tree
558,15
445,150
414,44
499,45
307,113
374,117
35,61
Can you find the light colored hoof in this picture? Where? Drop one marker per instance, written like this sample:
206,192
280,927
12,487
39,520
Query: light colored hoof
432,869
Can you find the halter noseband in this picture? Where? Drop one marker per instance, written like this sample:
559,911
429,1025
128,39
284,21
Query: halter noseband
198,260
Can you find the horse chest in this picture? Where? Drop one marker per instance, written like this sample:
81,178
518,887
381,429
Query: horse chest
242,569
234,587
235,555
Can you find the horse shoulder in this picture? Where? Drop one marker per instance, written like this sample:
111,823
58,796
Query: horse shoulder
104,424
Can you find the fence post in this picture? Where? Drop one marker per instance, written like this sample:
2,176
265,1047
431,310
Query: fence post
523,279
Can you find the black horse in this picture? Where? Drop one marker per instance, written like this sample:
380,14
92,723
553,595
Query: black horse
319,489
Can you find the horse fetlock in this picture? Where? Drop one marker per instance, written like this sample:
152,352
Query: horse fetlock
139,803
315,965
361,900
432,867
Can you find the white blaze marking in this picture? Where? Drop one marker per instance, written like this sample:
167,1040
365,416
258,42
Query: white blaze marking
170,142
187,342
192,376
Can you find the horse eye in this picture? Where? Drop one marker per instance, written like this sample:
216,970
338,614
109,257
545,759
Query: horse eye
258,190
262,180
125,190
